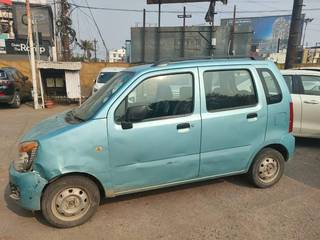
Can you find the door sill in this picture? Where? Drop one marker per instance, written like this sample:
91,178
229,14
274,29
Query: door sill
110,194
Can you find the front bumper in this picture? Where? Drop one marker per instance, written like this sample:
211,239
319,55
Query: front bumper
26,188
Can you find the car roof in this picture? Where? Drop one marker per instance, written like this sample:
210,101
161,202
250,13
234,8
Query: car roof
7,68
112,69
299,72
196,63
310,68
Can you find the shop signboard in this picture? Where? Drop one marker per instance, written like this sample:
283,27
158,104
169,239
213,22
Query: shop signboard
20,46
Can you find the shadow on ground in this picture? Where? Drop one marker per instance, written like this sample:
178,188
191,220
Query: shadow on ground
305,165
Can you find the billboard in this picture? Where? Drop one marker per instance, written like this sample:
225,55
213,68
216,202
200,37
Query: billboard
269,32
181,1
43,15
21,47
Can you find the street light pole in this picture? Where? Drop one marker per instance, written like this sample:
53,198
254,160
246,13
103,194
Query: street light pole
32,57
306,22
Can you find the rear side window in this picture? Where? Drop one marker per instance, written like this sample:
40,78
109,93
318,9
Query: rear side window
289,83
229,89
311,85
271,86
3,74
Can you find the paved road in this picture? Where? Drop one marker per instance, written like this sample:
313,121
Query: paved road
228,208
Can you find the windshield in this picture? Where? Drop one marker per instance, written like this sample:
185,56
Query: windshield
105,76
89,108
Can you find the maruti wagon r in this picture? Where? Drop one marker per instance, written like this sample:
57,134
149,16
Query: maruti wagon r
156,126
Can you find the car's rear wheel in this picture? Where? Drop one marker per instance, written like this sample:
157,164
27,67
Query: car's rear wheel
267,168
70,201
16,101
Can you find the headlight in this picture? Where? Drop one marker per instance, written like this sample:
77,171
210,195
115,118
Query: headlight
27,153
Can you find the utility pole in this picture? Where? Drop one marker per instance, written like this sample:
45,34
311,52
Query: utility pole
95,49
232,33
306,21
158,42
184,16
64,32
295,33
143,42
32,57
35,30
55,55
210,18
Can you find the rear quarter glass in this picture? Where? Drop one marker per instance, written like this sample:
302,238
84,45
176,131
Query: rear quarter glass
3,75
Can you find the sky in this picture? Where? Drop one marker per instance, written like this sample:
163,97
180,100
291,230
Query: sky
115,26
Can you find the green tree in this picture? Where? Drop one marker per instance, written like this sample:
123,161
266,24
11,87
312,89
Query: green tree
87,47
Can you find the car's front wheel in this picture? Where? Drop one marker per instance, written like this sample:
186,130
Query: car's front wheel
267,168
70,201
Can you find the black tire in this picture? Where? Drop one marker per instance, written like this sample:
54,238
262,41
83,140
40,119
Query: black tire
16,101
79,193
267,168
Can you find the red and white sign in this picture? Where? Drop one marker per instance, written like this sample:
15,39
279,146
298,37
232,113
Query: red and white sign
6,2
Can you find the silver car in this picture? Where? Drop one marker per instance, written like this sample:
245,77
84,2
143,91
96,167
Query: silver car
304,86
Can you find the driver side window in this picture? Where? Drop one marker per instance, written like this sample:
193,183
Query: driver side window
158,97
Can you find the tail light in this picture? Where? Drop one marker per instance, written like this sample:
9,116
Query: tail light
291,118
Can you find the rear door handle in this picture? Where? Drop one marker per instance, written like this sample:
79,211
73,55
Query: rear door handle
183,126
252,115
311,102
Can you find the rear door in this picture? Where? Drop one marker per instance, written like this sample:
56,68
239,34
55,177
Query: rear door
234,117
310,98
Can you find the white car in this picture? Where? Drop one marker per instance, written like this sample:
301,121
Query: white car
304,86
104,76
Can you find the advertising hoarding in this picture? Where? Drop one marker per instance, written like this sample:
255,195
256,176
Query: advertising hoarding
174,1
43,15
20,46
269,32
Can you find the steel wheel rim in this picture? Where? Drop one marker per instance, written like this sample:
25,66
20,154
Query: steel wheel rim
70,204
17,99
268,170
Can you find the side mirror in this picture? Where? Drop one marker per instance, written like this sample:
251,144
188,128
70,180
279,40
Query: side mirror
135,114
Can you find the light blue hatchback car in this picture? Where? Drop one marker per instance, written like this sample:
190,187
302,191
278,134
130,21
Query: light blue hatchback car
156,126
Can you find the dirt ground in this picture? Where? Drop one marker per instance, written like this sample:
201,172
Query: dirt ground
228,208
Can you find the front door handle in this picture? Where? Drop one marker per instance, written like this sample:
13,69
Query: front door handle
183,126
311,102
252,115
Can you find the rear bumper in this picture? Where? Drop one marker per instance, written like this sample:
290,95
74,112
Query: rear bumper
26,188
6,99
289,142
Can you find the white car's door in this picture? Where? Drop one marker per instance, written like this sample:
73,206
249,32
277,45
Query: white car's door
310,100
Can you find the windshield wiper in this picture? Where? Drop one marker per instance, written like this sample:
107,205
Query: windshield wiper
71,117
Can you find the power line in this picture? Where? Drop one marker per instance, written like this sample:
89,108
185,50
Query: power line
192,12
99,31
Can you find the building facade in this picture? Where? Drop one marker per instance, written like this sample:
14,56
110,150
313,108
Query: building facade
117,55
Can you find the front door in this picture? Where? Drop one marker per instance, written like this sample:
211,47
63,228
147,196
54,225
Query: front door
310,99
234,119
154,131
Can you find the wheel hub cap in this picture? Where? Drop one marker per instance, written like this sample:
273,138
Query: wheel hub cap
71,202
268,169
